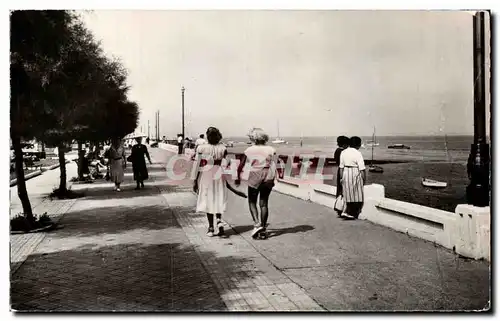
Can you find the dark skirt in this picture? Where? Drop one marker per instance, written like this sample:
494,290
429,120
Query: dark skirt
354,208
140,171
339,184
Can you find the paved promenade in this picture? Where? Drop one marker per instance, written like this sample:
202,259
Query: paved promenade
147,251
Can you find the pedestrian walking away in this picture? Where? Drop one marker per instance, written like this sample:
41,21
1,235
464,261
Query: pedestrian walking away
117,162
342,143
259,167
179,143
199,141
353,173
210,182
139,151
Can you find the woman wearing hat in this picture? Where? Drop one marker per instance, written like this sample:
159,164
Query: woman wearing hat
210,183
259,161
137,157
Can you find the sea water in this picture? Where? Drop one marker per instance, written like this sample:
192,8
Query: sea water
442,158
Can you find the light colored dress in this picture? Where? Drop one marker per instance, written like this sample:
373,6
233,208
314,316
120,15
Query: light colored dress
212,191
259,167
116,159
352,162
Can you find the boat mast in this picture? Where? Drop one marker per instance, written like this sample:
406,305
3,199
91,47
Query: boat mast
373,144
278,125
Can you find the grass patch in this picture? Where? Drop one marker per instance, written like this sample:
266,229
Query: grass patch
64,194
20,224
26,172
47,162
85,180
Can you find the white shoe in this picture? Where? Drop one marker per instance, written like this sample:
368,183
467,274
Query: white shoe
256,231
118,190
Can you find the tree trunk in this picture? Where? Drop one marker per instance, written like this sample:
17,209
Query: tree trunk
81,155
21,182
62,164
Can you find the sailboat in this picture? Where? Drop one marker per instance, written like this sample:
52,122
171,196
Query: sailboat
278,139
373,142
373,168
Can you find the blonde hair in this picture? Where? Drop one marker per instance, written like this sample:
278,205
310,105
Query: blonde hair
258,136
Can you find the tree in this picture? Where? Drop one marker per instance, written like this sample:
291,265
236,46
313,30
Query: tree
63,88
34,54
77,93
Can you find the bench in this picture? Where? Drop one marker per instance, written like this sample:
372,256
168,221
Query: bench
29,163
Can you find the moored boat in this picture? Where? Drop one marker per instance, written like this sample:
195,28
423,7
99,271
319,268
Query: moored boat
278,139
433,183
375,169
398,146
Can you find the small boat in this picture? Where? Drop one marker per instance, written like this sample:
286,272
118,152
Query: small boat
278,140
372,144
433,183
398,146
375,169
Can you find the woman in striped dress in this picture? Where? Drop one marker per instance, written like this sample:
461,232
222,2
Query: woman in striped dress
353,173
210,182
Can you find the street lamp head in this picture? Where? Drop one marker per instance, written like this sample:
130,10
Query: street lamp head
182,88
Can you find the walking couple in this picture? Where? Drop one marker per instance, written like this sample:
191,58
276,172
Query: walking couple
211,184
118,162
351,176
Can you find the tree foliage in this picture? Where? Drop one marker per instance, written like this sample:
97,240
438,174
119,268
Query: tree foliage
63,86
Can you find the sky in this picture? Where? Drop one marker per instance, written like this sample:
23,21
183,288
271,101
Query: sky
317,73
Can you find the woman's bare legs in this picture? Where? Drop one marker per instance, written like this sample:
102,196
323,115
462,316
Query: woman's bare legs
220,226
253,195
210,218
264,205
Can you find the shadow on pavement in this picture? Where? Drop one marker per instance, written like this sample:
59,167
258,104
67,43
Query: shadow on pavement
290,230
114,220
125,277
239,229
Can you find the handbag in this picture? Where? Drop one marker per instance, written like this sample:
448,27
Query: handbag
340,204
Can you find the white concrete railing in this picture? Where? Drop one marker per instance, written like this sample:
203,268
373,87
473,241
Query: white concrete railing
467,231
175,149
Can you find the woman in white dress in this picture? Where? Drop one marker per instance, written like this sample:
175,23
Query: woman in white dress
353,173
210,182
117,162
259,162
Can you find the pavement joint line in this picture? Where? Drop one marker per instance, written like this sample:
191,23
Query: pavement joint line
272,264
339,264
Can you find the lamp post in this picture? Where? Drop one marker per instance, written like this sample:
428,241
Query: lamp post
478,165
182,92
